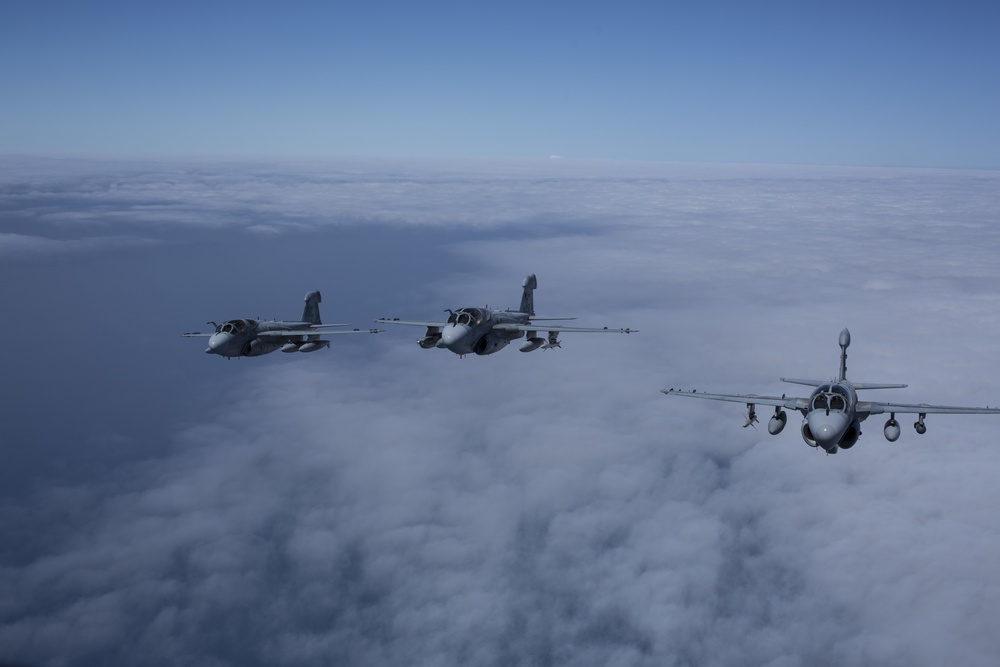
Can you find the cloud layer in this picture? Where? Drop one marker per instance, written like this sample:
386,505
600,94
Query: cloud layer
378,503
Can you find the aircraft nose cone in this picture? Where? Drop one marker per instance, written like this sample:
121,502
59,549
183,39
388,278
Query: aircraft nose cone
453,334
217,343
827,429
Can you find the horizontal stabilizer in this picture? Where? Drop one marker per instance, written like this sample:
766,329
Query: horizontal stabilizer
856,385
808,383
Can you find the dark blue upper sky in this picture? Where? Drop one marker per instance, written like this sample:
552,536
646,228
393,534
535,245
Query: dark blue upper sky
887,83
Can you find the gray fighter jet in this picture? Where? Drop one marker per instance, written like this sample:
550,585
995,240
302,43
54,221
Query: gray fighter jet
483,331
252,338
833,413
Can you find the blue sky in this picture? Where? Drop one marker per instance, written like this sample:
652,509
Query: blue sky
910,84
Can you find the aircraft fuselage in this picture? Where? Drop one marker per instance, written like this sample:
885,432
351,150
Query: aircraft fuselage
832,420
241,338
472,331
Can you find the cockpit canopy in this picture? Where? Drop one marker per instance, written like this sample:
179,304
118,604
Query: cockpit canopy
469,316
833,397
236,326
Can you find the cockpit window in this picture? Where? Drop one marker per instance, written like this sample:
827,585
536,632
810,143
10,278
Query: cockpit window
236,326
830,397
468,317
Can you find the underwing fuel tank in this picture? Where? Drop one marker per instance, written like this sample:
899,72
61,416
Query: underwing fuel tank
891,430
290,347
777,422
312,346
531,344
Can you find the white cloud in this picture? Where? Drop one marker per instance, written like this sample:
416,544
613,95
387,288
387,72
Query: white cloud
409,507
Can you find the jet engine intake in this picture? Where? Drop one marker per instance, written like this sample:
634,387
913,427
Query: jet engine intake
919,425
489,344
851,436
257,347
431,338
807,434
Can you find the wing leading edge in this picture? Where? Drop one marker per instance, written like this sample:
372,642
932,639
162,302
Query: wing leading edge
790,403
558,329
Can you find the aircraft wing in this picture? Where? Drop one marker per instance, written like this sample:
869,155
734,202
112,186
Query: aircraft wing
878,408
311,332
415,323
324,326
195,334
791,403
558,329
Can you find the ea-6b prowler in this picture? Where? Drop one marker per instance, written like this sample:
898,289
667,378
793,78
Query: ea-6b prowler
253,338
483,331
833,413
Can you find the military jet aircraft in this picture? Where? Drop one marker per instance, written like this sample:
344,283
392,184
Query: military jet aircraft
833,413
483,331
253,338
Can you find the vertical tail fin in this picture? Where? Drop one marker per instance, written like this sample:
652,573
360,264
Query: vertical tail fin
845,341
311,312
528,296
